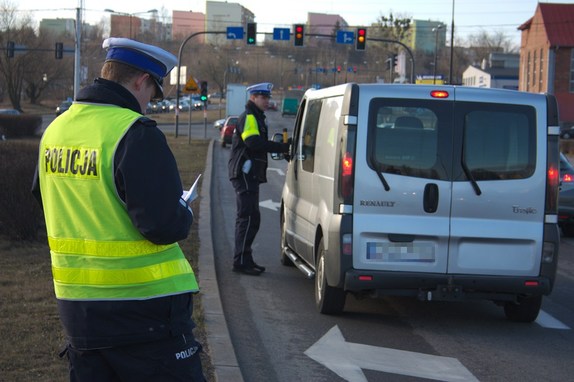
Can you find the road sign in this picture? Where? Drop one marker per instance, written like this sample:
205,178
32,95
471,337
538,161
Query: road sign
235,33
281,34
191,85
345,37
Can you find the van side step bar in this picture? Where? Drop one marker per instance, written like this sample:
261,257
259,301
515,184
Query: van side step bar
303,267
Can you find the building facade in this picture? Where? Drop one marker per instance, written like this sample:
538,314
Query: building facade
186,23
547,56
220,15
499,71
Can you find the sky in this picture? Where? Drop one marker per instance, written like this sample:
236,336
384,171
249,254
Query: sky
470,16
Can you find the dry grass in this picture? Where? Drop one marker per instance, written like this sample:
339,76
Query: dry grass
30,332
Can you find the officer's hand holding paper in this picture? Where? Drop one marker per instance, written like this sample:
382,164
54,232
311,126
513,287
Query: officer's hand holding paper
191,194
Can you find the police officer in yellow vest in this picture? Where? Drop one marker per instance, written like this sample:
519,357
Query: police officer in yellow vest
247,169
111,195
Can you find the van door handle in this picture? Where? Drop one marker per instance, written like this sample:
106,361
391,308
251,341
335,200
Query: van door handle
430,202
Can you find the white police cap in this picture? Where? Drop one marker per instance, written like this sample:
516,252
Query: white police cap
262,88
147,58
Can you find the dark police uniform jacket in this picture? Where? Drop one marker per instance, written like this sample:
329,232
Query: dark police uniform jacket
102,324
254,148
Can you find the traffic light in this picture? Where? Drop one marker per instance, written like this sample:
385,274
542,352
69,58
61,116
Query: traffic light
299,34
204,91
361,39
59,50
394,63
10,49
251,33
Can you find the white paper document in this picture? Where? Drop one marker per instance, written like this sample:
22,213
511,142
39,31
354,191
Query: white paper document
191,194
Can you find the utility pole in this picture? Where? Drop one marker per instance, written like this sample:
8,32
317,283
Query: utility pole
77,63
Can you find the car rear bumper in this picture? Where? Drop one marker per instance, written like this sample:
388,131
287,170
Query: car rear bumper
445,286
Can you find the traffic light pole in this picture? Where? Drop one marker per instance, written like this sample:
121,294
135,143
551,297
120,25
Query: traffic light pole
180,53
380,40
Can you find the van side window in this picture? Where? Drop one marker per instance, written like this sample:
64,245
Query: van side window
499,144
309,135
404,140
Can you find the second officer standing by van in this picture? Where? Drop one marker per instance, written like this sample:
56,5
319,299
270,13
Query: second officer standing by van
247,169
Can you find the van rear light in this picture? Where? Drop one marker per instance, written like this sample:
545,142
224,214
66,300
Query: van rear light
532,283
347,175
552,186
347,242
567,178
365,278
439,94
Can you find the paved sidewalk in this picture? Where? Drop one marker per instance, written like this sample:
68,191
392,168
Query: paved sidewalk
221,349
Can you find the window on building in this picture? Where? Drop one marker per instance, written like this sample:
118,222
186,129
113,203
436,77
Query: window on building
529,64
534,70
572,71
541,76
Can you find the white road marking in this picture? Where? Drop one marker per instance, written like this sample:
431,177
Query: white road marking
547,321
346,359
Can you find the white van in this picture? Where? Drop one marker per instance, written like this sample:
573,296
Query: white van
438,192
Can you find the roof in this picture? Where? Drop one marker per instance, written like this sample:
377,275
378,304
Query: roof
558,20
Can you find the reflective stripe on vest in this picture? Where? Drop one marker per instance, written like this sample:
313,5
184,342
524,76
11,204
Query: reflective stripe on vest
250,128
97,253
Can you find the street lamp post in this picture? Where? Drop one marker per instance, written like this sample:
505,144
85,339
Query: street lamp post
435,52
130,15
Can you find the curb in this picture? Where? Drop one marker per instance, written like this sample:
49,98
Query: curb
219,341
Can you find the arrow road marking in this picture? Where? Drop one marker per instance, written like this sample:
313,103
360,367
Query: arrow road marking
346,359
547,321
278,170
270,204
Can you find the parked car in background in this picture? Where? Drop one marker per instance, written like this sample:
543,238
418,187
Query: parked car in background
63,107
272,105
566,173
228,129
219,123
10,111
566,198
567,132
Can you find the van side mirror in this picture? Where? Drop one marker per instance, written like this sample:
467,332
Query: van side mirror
278,137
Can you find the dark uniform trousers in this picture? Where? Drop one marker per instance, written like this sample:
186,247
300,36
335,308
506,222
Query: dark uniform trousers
248,219
171,360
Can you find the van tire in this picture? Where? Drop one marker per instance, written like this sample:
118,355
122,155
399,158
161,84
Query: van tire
283,244
524,311
328,299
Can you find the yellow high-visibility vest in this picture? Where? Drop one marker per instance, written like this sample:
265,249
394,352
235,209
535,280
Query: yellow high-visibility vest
97,253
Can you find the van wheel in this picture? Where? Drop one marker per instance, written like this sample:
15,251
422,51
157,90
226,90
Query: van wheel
283,243
328,299
568,230
525,311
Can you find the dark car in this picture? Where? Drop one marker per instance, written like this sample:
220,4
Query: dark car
227,130
567,132
63,107
10,111
566,198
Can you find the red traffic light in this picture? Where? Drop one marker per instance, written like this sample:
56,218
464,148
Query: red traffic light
361,41
299,34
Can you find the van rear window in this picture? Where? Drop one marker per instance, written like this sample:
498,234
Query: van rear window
404,140
437,139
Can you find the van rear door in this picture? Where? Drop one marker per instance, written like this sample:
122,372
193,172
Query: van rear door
403,180
498,190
